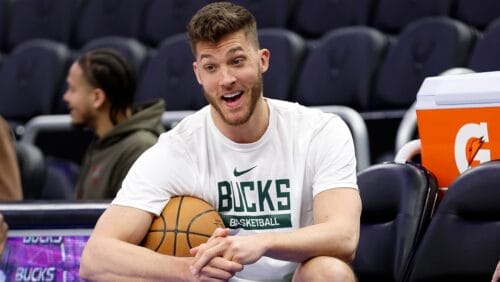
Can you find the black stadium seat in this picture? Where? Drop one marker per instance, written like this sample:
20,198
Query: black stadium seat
48,19
288,50
476,13
30,78
398,200
426,47
169,75
32,169
485,56
100,18
312,19
392,16
462,242
340,69
268,14
132,49
165,18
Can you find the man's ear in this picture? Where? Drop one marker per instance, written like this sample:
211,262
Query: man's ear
196,72
265,55
99,98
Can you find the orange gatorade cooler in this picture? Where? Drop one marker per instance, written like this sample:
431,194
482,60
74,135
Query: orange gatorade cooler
459,123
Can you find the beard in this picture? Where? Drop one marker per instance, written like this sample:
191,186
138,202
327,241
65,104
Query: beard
255,93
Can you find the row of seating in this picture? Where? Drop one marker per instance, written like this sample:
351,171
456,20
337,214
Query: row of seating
406,235
75,22
358,67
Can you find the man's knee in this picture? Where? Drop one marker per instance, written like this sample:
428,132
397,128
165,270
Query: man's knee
324,269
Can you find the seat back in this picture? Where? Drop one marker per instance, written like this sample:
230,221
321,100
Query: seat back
462,242
288,50
425,48
130,48
398,201
100,18
313,19
57,184
49,19
340,69
32,169
268,14
476,13
165,18
485,56
4,23
169,75
391,16
31,77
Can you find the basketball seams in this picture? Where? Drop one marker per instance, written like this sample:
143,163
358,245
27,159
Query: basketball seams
188,232
162,235
176,229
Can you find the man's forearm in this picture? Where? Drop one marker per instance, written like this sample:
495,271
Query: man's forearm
311,241
110,259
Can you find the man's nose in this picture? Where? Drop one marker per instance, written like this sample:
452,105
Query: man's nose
227,78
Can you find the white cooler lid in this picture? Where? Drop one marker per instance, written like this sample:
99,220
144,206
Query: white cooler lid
469,90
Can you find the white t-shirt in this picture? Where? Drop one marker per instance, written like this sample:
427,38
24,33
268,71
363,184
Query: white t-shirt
263,186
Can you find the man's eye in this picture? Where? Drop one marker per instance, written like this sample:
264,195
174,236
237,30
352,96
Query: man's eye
238,62
209,68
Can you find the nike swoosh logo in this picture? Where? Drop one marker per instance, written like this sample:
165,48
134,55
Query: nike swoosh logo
240,173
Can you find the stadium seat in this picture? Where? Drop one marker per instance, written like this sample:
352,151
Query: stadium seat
398,201
426,47
269,14
462,242
32,169
165,18
312,19
288,50
476,13
48,19
391,16
132,49
4,22
30,79
57,185
99,18
485,56
340,69
169,75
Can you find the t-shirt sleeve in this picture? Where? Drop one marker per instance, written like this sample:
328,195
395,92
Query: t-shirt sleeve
332,158
159,173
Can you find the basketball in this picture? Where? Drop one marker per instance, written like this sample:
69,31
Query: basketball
185,222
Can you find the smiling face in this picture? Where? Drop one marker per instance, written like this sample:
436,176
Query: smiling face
79,98
230,72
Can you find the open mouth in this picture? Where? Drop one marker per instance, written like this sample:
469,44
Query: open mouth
232,97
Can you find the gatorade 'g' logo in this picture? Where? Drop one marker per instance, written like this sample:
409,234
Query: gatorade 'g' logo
469,145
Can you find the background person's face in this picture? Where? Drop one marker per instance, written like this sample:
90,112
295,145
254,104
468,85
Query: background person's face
78,96
230,72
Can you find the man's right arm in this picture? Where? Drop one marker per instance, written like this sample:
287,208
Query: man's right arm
112,252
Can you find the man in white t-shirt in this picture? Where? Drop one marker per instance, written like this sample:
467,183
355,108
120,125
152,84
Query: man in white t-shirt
282,176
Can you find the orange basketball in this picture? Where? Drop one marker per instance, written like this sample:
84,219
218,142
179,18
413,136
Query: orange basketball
184,223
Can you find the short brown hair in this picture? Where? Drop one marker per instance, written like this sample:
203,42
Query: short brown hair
218,19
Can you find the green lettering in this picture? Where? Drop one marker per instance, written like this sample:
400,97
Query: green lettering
264,195
225,199
240,207
250,186
285,184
